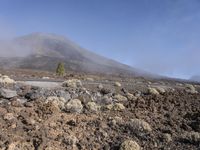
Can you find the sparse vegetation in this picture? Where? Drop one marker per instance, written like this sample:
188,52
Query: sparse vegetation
60,69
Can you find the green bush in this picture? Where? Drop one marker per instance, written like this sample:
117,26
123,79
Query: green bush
60,69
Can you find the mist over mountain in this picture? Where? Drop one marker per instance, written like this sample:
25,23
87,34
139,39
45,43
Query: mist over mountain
195,78
44,51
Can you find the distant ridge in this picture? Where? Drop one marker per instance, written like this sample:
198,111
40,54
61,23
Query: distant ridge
45,51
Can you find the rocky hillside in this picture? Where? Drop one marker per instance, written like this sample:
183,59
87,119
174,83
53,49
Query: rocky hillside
44,51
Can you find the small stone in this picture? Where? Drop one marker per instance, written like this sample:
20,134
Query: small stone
28,104
131,97
153,91
109,107
90,79
118,107
113,122
52,124
72,123
16,103
21,100
120,98
116,120
100,86
52,145
160,90
140,126
105,91
3,111
92,106
20,146
14,125
117,84
8,116
106,100
193,137
129,145
167,137
74,105
71,140
30,121
45,78
138,94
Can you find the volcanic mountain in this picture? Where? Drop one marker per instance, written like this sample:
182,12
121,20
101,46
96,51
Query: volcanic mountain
42,51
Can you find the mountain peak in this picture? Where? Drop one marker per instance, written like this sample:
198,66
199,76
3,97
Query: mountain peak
44,50
43,35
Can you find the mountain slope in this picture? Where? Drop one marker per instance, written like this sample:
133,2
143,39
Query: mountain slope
46,50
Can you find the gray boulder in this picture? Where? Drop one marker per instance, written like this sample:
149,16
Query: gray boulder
6,93
74,105
62,93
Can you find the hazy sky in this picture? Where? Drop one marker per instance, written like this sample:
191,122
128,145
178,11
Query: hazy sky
160,36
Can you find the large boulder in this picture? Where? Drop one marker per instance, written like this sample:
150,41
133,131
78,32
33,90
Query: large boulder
7,93
64,94
129,145
72,83
85,97
58,101
48,108
6,80
74,105
189,88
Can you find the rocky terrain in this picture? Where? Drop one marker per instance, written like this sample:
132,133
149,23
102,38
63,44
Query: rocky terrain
97,113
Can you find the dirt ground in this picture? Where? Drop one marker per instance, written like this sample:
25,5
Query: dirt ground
28,123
